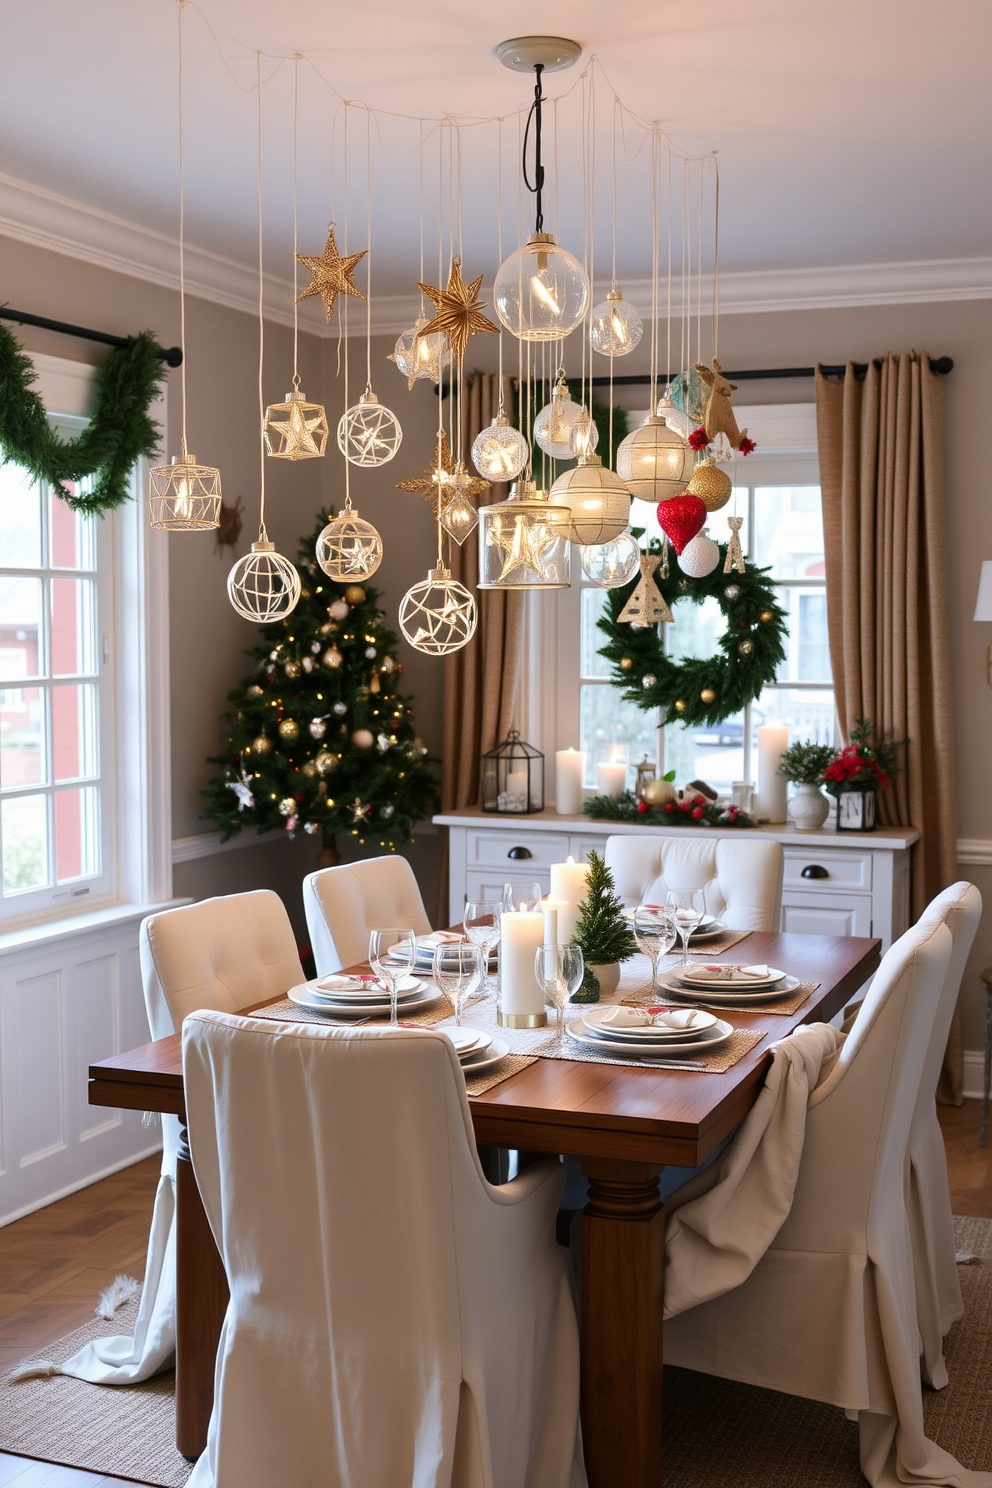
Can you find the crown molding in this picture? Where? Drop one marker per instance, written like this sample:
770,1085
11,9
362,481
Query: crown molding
31,214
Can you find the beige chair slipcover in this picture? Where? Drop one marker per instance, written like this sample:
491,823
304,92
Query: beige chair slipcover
829,1310
743,879
394,1320
343,904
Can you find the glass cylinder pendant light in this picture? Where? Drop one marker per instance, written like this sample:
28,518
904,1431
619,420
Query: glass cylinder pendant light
654,462
615,326
598,500
500,452
523,541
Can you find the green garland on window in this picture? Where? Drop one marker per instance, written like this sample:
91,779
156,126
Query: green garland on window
118,432
706,689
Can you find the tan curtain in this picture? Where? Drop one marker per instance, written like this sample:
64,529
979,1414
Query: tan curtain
881,473
481,680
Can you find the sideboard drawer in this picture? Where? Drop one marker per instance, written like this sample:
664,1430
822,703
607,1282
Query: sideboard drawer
488,884
506,849
825,914
833,868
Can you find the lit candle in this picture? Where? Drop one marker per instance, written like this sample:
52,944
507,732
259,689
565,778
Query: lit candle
611,777
570,766
772,799
521,995
549,908
516,790
569,885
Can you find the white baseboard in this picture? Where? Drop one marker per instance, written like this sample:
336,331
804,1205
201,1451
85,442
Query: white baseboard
78,1183
974,1069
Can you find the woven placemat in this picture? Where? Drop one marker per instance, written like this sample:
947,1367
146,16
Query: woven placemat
718,944
724,1058
782,1007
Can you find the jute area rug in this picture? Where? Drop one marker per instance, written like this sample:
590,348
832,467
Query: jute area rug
715,1431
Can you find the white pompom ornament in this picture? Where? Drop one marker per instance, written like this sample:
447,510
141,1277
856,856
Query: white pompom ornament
699,557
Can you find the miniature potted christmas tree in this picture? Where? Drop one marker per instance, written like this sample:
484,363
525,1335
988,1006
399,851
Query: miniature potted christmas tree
602,934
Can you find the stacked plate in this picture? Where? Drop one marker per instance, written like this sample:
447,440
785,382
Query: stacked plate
736,984
360,997
427,945
640,1033
477,1051
709,928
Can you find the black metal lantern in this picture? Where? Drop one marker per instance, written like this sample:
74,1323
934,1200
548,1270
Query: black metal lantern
513,777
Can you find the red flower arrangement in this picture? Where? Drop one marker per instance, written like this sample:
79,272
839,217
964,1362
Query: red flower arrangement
866,763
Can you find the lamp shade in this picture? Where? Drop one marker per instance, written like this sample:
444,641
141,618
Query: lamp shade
983,604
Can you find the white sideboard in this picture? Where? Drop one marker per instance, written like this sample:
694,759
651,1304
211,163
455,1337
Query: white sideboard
834,883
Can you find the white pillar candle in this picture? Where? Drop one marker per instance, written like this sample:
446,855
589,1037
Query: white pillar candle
611,778
521,995
772,790
570,767
516,790
569,885
549,908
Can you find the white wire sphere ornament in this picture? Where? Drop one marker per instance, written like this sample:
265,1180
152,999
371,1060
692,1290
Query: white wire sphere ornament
597,499
419,356
368,433
541,292
184,496
615,327
263,585
700,556
554,426
349,548
611,564
438,615
654,462
500,452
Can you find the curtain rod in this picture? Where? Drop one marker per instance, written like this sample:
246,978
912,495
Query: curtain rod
943,365
171,355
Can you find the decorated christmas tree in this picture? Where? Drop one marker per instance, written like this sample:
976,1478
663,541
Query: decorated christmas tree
320,739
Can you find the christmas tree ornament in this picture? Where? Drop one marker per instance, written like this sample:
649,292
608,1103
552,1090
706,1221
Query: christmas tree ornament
375,686
355,594
363,738
332,658
554,424
541,292
261,745
626,663
719,417
368,433
338,610
317,728
325,762
700,556
358,811
646,605
307,664
500,452
289,729
653,461
296,429
292,669
707,696
459,515
348,547
438,615
434,484
255,691
382,743
309,769
615,327
369,652
340,709
611,564
689,395
459,311
330,275
597,499
735,553
680,518
287,806
421,356
523,541
649,679
242,790
712,485
263,586
184,496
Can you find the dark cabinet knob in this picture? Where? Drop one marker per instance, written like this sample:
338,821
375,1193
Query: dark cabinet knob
517,853
815,870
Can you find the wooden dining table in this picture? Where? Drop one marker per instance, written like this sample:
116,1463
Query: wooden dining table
624,1124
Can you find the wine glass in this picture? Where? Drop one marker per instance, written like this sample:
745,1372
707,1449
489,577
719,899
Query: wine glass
483,929
688,907
655,931
458,971
525,896
559,971
392,953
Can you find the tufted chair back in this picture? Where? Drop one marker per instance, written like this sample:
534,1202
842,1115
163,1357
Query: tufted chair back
743,880
343,904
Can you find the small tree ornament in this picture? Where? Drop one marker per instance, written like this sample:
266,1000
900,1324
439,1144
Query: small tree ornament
700,556
719,417
602,934
646,606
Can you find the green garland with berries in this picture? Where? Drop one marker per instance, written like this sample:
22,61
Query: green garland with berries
691,811
704,689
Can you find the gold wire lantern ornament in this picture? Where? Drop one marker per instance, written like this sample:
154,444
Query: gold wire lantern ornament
615,327
184,496
523,541
500,452
368,433
597,499
296,429
418,356
559,420
263,586
612,564
438,615
348,547
654,462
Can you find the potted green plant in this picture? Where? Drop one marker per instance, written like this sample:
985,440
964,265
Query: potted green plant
602,934
805,766
858,772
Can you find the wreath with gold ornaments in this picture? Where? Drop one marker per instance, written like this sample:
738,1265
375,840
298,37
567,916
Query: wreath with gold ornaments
698,689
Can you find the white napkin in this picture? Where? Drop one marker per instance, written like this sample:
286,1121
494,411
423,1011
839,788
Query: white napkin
683,1018
347,984
730,973
625,1017
439,937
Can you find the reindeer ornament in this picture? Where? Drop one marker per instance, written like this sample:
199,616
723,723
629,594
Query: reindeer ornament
719,414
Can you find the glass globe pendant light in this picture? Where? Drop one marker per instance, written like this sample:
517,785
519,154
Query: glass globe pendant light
597,499
611,564
563,428
654,462
500,452
349,548
523,541
419,357
615,327
674,417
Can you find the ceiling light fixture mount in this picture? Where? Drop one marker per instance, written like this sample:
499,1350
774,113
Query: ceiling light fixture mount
524,53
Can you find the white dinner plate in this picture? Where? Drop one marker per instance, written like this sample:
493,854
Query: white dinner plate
468,1040
701,976
671,982
656,1032
717,1035
371,992
305,997
477,1061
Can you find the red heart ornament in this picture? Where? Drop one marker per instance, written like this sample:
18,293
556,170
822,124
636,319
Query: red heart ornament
680,518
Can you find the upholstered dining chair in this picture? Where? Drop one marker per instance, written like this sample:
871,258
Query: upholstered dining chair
224,953
743,879
393,1318
343,904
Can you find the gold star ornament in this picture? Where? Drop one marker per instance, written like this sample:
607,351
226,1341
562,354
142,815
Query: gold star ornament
435,483
459,311
331,274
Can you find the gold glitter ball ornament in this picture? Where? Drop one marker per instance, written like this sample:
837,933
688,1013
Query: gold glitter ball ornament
332,658
712,485
766,616
287,806
708,695
325,762
292,669
746,647
289,729
309,769
355,594
679,705
330,274
261,745
626,664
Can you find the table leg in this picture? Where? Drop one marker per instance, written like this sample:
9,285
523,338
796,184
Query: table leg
623,1260
201,1301
987,1075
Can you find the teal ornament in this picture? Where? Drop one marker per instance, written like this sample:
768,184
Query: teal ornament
690,395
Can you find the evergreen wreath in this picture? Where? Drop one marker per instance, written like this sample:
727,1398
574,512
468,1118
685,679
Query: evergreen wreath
127,381
705,689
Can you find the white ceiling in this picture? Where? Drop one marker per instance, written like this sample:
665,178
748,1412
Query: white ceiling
850,133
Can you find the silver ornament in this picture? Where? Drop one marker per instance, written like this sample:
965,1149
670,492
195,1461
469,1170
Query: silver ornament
340,709
649,679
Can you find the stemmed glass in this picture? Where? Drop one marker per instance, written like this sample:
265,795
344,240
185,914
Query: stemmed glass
392,954
458,971
483,929
526,896
559,971
655,931
688,907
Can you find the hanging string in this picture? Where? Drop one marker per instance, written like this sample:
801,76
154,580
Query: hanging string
654,270
182,235
343,322
668,311
368,261
499,243
699,267
296,308
420,158
716,260
262,534
613,275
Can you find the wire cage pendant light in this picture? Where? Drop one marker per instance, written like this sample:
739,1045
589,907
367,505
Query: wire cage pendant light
654,462
184,496
349,548
368,433
296,429
263,586
438,615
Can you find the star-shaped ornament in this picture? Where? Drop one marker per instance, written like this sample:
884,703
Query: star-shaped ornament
647,605
301,435
523,544
358,811
331,273
459,311
435,483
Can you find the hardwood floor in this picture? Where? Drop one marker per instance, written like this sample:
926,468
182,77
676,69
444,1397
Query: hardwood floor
55,1263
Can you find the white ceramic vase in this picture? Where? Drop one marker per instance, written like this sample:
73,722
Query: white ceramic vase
809,808
607,976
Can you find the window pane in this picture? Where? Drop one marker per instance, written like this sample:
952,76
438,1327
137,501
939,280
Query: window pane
807,650
20,628
77,852
696,630
809,714
710,752
72,535
590,636
73,626
788,531
74,731
20,518
22,737
606,719
24,842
